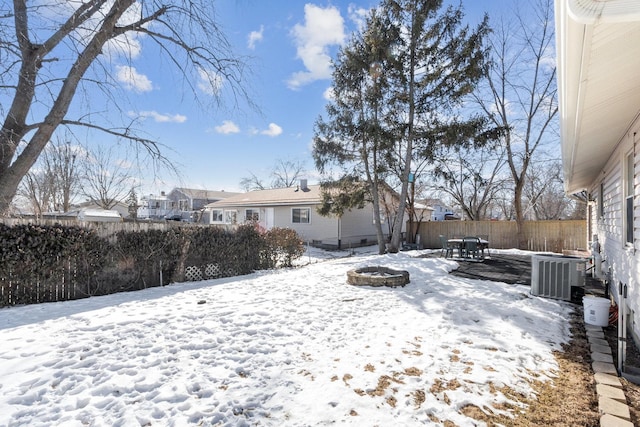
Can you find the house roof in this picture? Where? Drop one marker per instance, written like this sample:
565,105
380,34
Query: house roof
598,58
103,213
273,197
195,193
434,202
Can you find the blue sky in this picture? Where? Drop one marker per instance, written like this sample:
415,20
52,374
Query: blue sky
290,45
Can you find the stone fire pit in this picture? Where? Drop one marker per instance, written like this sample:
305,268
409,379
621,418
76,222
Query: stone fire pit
377,276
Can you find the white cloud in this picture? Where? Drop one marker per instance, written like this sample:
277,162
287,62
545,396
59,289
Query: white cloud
328,93
227,127
358,15
126,45
322,28
161,118
133,80
273,130
255,36
124,164
210,82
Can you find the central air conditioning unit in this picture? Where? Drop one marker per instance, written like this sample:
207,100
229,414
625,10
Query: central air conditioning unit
553,276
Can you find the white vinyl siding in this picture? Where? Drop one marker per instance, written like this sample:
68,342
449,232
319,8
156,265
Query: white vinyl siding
615,224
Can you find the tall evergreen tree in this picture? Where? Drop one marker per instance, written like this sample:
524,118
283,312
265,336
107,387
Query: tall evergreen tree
397,88
440,62
132,204
353,137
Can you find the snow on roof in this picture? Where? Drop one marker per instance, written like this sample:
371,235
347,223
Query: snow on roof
272,197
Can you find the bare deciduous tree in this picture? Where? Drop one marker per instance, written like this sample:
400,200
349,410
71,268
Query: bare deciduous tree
63,164
285,173
36,190
54,183
472,179
106,181
520,95
51,51
545,194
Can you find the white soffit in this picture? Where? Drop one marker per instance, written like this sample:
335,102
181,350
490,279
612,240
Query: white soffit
598,49
592,11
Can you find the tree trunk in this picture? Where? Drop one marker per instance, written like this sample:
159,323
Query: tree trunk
14,128
517,204
382,248
178,274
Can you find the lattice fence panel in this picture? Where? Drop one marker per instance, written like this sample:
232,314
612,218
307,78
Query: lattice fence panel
193,274
211,271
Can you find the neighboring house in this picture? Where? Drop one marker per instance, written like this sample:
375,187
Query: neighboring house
154,207
440,211
181,204
295,208
598,64
423,212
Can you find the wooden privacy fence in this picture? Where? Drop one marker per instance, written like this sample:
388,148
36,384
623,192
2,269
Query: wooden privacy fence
541,236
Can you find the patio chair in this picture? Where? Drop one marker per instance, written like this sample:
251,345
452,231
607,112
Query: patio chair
484,247
446,250
471,247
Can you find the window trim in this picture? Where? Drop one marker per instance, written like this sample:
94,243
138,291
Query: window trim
213,215
255,217
300,217
601,201
230,216
628,204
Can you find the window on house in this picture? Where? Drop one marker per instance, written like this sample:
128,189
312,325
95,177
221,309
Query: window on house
230,217
300,215
629,192
251,215
601,201
216,215
183,205
383,218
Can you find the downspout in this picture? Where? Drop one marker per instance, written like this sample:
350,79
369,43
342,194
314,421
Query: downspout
622,332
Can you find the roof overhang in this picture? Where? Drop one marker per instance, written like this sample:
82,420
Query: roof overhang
598,53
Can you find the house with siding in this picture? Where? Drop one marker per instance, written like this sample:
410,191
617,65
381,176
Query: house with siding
185,204
440,211
598,65
295,208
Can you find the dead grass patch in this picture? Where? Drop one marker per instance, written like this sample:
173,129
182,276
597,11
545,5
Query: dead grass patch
419,397
569,400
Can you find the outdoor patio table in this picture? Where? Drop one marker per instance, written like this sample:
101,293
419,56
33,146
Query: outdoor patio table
459,244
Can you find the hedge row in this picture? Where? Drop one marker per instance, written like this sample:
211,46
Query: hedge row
56,263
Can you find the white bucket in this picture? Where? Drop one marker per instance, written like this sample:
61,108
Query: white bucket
596,310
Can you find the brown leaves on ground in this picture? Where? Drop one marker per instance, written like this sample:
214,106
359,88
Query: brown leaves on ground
569,400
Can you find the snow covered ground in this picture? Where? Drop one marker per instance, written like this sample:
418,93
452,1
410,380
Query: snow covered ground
295,347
